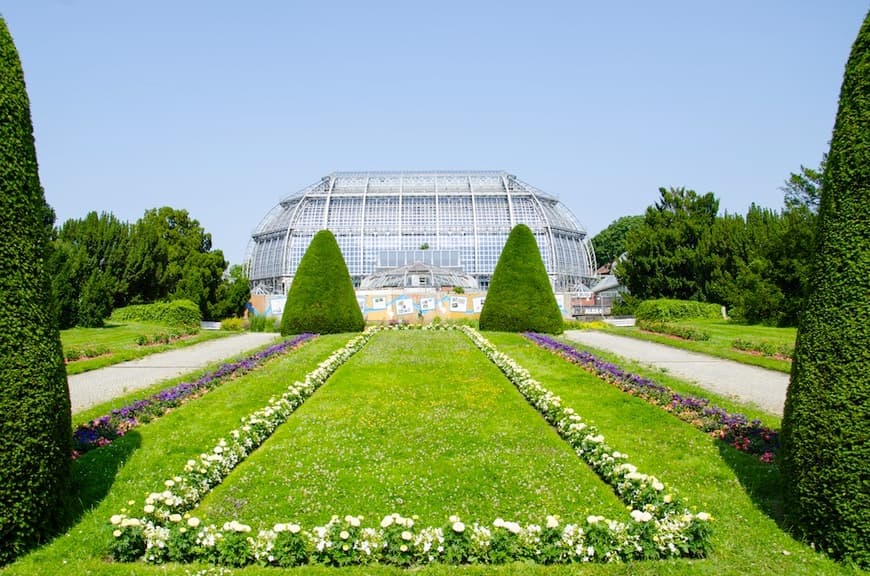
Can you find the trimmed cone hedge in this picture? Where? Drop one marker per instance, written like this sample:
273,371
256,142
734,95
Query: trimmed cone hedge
321,299
35,426
826,425
520,297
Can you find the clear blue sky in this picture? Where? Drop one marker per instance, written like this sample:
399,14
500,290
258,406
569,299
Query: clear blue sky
224,108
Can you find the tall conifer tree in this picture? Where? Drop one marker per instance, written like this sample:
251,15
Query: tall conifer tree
826,425
35,428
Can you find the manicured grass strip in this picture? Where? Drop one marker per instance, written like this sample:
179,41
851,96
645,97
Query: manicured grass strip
103,430
418,423
116,343
106,480
722,334
742,494
752,437
660,528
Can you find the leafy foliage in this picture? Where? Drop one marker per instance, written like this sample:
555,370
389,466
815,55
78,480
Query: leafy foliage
826,422
321,298
182,313
678,330
663,310
805,189
35,439
609,244
520,296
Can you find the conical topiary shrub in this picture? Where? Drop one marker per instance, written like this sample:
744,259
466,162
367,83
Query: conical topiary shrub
35,427
826,424
520,296
321,298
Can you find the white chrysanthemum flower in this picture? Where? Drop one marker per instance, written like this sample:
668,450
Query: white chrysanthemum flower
116,533
406,535
116,519
703,516
387,522
175,517
552,522
344,535
149,509
454,518
458,527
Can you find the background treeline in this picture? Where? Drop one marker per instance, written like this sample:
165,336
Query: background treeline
99,263
757,265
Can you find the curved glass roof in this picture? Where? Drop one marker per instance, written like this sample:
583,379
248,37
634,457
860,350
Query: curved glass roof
372,213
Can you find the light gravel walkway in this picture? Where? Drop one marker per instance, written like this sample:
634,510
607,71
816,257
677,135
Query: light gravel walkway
764,388
96,386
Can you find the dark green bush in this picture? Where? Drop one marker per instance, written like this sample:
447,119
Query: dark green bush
826,423
182,313
520,296
678,330
664,310
35,423
321,298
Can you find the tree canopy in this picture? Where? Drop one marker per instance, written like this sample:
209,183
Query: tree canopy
609,244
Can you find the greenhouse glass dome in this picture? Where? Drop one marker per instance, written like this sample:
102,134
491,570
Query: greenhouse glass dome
460,220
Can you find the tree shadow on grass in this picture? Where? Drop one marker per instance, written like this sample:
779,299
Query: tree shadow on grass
95,472
761,481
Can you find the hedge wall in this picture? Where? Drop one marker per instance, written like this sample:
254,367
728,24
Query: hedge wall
667,310
182,313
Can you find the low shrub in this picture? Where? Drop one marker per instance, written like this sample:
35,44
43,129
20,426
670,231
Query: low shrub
764,347
678,330
664,309
80,353
263,324
176,313
232,324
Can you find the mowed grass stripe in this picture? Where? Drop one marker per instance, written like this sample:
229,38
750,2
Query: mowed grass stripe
416,423
742,494
138,463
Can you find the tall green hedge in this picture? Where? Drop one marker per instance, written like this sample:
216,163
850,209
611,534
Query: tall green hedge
35,427
322,299
520,296
826,425
668,310
184,313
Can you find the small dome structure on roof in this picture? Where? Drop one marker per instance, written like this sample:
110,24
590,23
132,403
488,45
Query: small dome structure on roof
418,275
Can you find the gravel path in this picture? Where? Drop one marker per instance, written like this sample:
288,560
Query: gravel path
764,388
96,386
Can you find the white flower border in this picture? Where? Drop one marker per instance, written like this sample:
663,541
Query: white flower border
660,525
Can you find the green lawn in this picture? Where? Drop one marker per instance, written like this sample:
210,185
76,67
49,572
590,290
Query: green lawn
119,342
423,417
722,335
454,438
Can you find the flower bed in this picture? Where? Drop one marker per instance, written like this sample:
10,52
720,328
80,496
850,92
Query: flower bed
101,431
737,430
660,525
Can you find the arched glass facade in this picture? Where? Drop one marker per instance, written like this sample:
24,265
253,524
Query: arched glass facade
373,214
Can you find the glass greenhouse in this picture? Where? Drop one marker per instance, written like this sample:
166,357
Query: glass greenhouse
460,219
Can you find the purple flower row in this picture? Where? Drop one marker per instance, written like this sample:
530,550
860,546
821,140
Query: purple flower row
737,430
101,431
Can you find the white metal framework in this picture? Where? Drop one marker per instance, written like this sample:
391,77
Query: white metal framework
373,213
